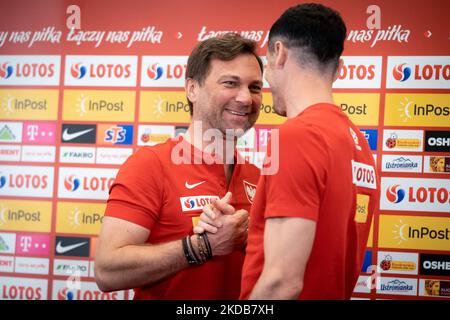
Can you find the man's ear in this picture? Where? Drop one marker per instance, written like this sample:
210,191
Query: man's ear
191,87
281,54
338,69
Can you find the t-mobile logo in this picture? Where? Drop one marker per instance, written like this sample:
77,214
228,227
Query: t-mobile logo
25,243
32,131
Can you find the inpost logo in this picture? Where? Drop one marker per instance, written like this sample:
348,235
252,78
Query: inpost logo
161,106
79,218
410,232
267,113
25,215
362,109
95,104
29,104
417,110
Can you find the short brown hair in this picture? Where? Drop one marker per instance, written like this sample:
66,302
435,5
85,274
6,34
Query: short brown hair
225,47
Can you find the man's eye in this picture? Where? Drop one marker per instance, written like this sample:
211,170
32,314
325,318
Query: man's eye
255,89
230,83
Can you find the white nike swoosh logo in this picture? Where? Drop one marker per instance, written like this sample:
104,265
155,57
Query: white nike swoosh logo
70,136
63,249
191,186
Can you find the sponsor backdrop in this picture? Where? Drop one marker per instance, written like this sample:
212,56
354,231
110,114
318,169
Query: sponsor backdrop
84,84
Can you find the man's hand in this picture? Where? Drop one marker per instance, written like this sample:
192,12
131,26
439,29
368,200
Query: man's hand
210,219
226,227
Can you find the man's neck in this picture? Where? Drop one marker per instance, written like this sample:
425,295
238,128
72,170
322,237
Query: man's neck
303,89
222,147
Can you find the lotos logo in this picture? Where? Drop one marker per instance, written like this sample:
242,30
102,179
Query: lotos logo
100,70
85,183
428,195
401,72
394,194
6,70
154,71
78,70
65,294
2,181
196,203
189,203
71,183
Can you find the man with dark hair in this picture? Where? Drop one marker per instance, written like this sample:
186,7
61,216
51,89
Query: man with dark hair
310,221
146,240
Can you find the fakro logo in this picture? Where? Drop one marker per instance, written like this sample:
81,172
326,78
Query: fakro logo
100,70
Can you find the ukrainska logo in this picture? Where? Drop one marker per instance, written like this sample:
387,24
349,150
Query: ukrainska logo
394,194
154,71
71,183
401,72
6,70
196,202
250,190
78,70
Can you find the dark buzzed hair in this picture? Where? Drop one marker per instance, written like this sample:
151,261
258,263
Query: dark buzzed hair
225,47
317,30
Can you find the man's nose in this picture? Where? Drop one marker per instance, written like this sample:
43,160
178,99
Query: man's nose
244,96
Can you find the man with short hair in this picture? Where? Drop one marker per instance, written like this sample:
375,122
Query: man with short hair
146,240
310,221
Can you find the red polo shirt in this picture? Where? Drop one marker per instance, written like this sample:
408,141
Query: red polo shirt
156,190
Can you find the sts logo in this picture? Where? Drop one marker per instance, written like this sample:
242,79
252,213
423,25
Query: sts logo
78,70
394,194
401,72
71,183
154,71
6,70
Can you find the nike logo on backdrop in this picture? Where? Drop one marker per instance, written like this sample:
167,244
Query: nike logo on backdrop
63,249
70,136
192,186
